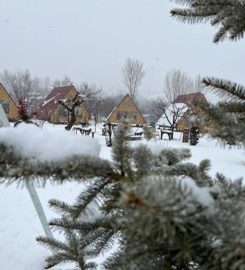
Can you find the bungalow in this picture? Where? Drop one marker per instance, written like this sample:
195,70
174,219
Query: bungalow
192,115
183,113
51,110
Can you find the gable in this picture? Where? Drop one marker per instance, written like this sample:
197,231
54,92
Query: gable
127,104
8,104
126,109
4,95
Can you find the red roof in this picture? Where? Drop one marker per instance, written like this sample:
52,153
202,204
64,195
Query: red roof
189,98
52,100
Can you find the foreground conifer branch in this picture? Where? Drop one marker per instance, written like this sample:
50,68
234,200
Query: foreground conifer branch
228,15
155,211
226,120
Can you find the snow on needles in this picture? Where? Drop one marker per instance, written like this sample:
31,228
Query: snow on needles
47,144
200,194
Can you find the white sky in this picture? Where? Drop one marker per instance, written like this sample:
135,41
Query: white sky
89,40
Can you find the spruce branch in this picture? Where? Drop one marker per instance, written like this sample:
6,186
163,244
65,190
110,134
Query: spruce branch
16,168
225,89
228,15
61,207
53,244
92,194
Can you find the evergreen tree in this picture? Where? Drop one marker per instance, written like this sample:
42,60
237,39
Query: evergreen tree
229,15
194,133
162,211
149,132
226,120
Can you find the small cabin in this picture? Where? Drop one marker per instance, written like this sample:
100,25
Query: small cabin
8,104
185,111
192,116
52,111
126,110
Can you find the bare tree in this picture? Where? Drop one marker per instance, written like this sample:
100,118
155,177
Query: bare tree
133,74
98,103
86,94
158,106
75,102
93,96
172,115
65,81
22,86
108,103
177,83
198,85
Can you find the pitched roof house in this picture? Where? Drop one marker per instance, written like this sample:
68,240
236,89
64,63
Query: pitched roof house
186,109
192,115
126,110
177,109
8,104
189,99
51,110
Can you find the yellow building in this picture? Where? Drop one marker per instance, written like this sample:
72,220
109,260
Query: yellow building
8,104
126,110
193,114
51,110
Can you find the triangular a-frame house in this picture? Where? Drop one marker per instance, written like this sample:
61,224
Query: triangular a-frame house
51,110
8,104
126,110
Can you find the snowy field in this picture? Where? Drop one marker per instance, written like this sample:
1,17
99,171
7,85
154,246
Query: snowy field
19,224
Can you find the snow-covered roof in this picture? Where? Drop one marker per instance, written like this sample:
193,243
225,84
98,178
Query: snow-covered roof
176,108
47,101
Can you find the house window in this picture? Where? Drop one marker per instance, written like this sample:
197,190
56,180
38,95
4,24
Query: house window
5,105
121,115
63,111
78,111
127,103
132,116
126,115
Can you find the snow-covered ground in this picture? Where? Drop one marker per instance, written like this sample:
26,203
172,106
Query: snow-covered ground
19,224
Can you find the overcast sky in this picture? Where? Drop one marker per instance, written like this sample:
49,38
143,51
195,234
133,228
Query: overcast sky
89,40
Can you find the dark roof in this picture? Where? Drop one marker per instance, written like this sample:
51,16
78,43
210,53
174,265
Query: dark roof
189,98
59,92
52,100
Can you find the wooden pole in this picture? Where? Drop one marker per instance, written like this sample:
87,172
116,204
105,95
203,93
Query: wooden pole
38,207
4,122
